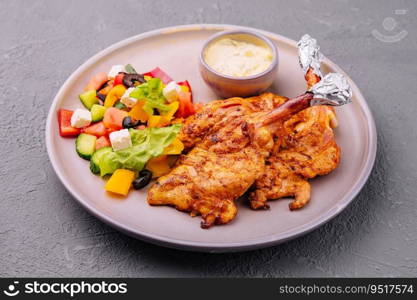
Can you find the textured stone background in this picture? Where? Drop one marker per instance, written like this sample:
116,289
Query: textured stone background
44,232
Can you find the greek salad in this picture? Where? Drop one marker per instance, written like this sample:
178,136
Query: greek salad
129,124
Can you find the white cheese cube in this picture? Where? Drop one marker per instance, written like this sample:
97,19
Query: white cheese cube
127,100
80,118
171,91
116,69
120,139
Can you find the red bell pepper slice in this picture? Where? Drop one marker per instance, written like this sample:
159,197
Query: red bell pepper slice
158,73
64,122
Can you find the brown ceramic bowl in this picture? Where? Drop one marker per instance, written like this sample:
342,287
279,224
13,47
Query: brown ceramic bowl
243,86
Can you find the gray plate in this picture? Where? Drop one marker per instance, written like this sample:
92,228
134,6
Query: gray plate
176,50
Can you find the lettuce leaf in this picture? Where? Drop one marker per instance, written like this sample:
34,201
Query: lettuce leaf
147,143
151,91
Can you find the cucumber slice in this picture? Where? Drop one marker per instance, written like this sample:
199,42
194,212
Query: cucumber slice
85,145
97,112
88,99
95,159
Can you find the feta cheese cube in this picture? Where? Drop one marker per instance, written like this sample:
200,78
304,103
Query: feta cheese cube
80,118
120,139
116,69
127,100
171,91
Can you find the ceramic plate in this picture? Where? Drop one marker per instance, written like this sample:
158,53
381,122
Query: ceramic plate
176,50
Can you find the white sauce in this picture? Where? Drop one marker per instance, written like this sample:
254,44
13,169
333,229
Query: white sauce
238,58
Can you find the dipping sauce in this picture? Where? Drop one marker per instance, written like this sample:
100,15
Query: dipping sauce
238,55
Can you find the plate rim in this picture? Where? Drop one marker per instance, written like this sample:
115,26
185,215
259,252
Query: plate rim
261,242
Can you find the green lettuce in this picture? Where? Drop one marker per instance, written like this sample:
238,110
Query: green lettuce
147,143
151,91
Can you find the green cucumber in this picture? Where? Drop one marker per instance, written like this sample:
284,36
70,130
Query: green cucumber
97,112
95,159
89,98
85,145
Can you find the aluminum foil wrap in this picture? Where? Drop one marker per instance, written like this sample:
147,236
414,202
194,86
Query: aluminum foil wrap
309,54
333,89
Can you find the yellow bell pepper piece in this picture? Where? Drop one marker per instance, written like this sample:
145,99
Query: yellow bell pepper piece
185,88
164,121
159,166
114,94
175,148
138,113
173,107
147,78
120,181
153,121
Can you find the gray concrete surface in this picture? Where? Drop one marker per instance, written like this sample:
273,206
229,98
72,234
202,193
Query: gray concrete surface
44,232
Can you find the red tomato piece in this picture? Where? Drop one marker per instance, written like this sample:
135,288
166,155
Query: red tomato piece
110,130
119,79
102,141
113,118
186,107
64,122
97,129
96,82
187,84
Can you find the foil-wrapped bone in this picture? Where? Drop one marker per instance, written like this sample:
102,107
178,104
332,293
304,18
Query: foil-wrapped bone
309,55
333,89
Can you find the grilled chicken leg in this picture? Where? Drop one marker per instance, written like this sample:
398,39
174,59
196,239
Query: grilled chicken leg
308,149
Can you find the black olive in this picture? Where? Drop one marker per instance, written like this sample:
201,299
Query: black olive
129,123
101,96
145,176
130,79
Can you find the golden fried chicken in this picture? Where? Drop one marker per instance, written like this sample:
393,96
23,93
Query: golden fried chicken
308,149
225,161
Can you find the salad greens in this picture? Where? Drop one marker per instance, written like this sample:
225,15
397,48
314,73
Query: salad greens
147,143
151,91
